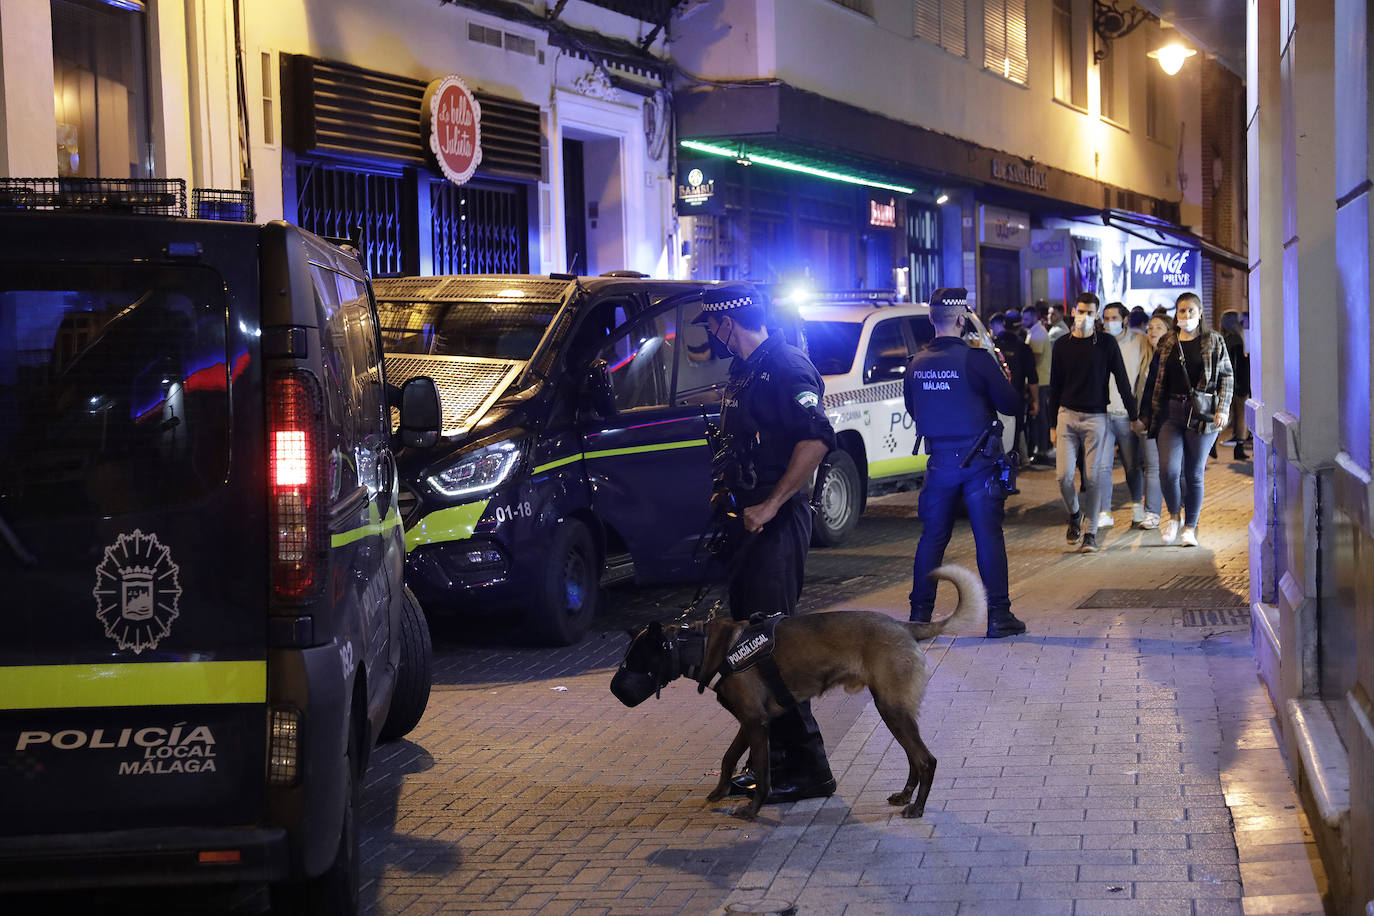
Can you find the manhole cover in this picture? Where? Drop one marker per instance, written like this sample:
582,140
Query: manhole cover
1231,617
1164,597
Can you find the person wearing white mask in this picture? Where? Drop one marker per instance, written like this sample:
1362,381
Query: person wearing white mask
1082,362
1135,355
1158,326
1191,400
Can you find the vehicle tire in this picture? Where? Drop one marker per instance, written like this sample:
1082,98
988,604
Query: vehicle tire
566,595
335,891
414,674
840,502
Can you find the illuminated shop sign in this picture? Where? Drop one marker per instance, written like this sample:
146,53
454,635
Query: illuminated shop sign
883,213
1017,173
1164,268
453,120
696,189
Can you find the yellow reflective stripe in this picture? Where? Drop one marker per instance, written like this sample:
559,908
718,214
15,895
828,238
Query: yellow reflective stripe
557,463
453,524
890,467
132,684
612,452
374,526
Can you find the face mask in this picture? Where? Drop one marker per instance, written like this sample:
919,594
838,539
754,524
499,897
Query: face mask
1083,323
1113,328
1189,324
719,348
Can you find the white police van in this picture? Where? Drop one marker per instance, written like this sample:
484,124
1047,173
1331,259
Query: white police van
861,343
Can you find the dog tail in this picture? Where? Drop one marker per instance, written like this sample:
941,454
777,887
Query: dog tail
972,610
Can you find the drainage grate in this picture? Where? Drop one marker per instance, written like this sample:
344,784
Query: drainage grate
1231,617
1233,583
1206,598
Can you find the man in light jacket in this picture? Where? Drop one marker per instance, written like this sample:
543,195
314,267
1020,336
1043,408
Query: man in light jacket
1135,354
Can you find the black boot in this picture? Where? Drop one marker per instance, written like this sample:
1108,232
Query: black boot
1241,454
1002,622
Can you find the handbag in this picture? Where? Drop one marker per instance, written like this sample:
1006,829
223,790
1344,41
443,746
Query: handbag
1202,405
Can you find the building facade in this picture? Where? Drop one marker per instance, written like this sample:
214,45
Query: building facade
1026,156
316,107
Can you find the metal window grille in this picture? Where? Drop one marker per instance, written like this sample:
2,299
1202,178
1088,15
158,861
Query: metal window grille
363,207
923,242
479,229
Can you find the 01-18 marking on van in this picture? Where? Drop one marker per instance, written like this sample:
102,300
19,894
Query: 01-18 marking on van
137,591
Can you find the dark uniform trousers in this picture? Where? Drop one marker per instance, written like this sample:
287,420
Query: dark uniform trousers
770,580
945,482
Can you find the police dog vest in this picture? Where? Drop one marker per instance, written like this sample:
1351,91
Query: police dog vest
754,647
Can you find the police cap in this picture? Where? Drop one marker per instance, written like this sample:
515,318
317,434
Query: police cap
724,298
949,297
1012,319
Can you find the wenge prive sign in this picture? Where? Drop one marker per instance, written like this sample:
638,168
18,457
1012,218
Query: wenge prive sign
1164,268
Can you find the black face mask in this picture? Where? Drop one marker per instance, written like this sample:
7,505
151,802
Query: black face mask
718,347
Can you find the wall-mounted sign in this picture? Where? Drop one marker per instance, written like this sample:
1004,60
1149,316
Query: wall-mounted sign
1018,173
1049,248
1164,268
882,213
1005,228
453,120
696,189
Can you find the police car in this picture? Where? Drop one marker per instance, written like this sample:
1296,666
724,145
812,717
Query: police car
861,342
574,440
206,624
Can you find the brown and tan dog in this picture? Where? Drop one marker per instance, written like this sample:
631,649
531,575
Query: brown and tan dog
850,649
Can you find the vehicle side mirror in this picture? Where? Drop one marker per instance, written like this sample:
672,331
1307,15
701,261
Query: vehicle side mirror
422,415
598,393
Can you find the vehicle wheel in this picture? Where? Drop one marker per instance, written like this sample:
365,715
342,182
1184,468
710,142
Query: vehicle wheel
414,674
565,597
334,892
839,503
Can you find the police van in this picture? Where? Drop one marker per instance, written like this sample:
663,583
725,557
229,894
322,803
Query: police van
206,622
861,342
574,442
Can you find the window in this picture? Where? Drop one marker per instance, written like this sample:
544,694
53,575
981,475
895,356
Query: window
1107,89
641,362
1004,39
887,353
859,6
1069,75
701,377
100,91
923,249
1158,104
942,22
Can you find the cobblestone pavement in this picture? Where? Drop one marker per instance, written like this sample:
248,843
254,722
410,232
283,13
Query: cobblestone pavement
1114,760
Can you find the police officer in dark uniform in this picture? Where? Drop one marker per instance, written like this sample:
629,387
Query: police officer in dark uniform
955,392
772,414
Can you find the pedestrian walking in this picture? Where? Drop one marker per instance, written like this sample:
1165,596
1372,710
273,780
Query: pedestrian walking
1191,401
1158,326
955,392
1083,361
1021,366
1036,320
1135,355
771,413
1233,332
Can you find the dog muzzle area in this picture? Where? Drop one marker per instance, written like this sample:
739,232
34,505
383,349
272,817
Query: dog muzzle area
655,658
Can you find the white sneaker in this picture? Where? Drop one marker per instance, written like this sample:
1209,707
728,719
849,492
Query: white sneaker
1150,521
1137,513
1105,520
1168,533
1189,538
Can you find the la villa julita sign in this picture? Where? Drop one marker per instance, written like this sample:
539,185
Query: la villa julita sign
453,120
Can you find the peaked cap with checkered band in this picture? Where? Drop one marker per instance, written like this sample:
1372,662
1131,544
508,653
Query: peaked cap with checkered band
724,298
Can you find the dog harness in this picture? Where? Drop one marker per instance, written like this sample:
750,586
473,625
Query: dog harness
754,648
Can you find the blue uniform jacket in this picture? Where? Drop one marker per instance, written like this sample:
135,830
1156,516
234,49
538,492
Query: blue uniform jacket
953,391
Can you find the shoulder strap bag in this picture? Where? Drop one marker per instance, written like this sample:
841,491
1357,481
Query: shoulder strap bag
1202,405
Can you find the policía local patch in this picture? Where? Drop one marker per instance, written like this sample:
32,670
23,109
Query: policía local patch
136,591
808,399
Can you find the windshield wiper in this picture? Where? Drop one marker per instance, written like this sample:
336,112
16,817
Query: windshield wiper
16,546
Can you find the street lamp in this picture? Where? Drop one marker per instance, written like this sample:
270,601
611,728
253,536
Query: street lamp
1171,56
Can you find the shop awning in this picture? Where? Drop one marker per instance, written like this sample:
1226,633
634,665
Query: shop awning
1162,232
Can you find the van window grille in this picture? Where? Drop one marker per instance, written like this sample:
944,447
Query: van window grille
479,229
366,207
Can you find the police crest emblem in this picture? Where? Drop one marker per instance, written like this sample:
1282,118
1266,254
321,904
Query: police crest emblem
137,591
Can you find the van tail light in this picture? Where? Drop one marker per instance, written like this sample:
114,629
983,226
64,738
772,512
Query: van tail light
296,484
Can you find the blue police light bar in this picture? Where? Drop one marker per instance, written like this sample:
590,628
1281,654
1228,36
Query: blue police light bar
761,159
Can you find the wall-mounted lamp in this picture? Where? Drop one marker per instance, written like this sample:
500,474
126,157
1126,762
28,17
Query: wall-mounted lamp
1171,54
942,199
1110,22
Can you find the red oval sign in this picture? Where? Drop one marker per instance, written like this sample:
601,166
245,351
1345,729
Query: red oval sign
455,130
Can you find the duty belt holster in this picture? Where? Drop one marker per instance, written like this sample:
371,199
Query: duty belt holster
754,648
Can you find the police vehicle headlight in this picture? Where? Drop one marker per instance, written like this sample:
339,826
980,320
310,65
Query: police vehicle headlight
477,472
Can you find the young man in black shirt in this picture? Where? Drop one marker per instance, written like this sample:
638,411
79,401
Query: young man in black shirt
1083,360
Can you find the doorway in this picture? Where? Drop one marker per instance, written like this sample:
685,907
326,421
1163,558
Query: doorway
574,207
999,279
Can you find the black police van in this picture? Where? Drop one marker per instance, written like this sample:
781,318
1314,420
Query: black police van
206,625
574,439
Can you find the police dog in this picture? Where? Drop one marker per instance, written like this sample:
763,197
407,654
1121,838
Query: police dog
813,653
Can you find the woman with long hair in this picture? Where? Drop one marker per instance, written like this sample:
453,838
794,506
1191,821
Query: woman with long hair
1157,326
1191,402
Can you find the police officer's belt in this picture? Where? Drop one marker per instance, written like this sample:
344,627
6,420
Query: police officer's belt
754,647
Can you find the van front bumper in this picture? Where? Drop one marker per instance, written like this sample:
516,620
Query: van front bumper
130,858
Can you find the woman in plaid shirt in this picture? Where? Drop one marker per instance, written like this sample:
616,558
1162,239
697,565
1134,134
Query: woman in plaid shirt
1191,359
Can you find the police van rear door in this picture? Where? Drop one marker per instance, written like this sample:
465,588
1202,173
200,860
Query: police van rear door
133,668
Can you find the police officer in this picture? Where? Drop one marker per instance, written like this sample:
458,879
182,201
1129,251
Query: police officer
955,392
772,413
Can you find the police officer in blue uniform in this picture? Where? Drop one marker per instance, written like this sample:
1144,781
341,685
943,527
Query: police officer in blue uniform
954,392
772,413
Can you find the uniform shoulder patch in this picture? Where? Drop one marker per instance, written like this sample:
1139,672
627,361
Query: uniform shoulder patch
808,399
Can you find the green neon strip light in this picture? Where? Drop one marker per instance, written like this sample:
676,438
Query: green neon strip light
727,153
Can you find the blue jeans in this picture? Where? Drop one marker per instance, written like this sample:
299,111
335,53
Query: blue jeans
1085,432
1154,496
1120,436
1183,463
944,483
